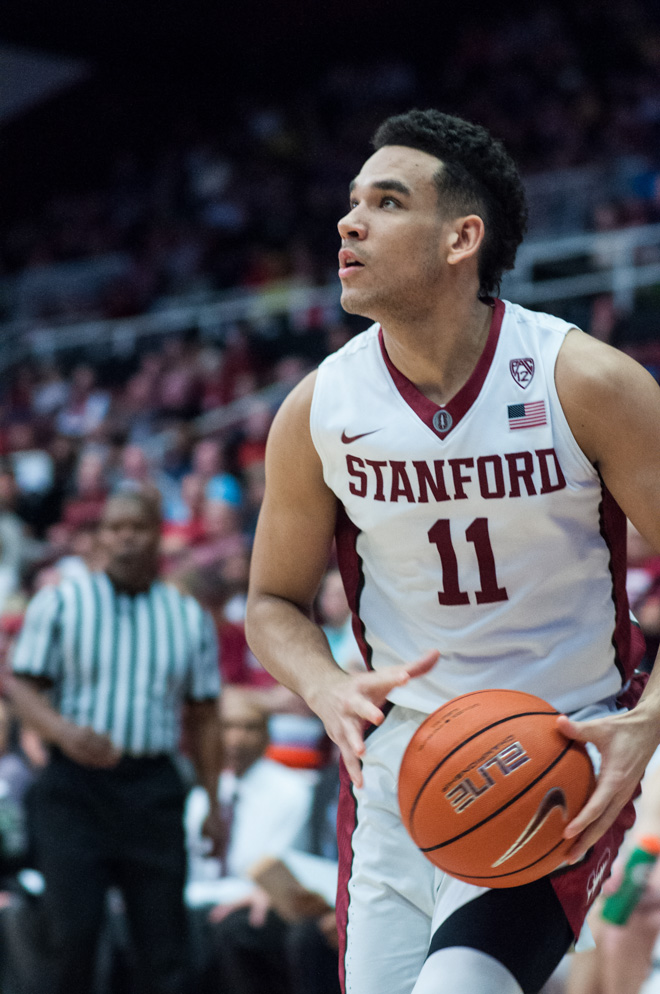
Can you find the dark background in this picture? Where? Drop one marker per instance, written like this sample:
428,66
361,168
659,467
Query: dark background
155,62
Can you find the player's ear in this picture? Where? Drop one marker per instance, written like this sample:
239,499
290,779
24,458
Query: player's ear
465,238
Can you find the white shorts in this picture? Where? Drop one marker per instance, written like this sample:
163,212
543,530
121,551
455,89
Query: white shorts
391,899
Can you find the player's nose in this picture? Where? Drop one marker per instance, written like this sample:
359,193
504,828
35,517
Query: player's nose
352,227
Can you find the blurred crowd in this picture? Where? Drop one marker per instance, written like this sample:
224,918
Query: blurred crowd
69,441
253,201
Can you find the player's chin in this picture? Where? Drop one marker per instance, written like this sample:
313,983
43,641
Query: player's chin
354,302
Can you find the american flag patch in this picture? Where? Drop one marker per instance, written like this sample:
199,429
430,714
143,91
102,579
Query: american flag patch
527,415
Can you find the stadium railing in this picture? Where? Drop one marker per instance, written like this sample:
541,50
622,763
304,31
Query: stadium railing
547,271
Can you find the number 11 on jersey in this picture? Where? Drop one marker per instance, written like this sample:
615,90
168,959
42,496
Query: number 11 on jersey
477,534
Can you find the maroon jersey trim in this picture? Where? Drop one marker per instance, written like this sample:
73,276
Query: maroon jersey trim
460,404
350,567
613,529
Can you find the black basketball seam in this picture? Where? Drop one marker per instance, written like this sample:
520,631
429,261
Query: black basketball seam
508,804
494,724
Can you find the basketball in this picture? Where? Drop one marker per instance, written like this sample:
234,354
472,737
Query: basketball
488,784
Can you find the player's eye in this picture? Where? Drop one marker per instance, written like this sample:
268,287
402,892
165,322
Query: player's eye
389,202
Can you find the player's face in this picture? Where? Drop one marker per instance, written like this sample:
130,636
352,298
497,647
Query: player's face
391,257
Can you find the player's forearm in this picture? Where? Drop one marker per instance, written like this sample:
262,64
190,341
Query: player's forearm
290,646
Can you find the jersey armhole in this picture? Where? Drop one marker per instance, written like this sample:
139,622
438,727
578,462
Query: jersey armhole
560,421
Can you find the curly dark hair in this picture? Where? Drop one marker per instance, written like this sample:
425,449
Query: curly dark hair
477,176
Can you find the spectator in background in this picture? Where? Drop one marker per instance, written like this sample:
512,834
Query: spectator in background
210,365
222,592
175,462
86,406
15,779
239,368
221,532
34,472
184,516
86,503
137,415
643,589
296,736
50,393
13,543
22,966
135,472
178,385
252,447
126,656
208,462
267,807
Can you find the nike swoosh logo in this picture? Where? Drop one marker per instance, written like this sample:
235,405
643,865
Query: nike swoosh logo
555,798
347,439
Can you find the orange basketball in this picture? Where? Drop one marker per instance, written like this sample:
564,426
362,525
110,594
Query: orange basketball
487,785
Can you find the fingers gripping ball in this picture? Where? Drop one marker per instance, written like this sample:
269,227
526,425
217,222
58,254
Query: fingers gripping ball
488,784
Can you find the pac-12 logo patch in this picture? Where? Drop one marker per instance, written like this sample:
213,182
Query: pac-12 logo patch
522,371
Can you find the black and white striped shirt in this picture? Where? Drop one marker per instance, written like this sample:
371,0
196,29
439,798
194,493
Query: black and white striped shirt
120,664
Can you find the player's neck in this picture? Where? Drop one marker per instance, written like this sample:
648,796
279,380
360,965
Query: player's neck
439,351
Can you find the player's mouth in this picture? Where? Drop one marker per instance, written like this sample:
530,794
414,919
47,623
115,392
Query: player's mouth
348,264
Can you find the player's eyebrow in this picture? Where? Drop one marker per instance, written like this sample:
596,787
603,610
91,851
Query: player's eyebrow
385,184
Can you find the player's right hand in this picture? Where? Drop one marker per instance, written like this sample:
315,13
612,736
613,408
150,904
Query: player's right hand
87,747
350,701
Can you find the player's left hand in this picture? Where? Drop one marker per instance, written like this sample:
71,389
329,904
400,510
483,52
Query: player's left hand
625,742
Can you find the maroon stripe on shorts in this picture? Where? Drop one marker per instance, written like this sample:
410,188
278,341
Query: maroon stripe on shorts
346,822
577,887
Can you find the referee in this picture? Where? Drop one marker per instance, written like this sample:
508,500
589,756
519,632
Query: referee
126,658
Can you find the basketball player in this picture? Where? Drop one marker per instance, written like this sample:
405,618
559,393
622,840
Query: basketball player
474,461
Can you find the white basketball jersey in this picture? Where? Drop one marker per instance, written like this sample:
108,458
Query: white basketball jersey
478,528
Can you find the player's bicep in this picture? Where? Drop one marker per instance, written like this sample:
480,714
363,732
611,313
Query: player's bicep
613,407
297,518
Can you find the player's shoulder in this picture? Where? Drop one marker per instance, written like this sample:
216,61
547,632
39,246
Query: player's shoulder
603,393
587,367
291,421
531,321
